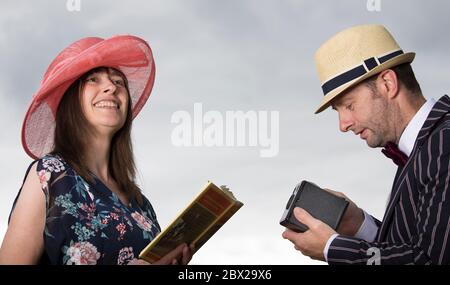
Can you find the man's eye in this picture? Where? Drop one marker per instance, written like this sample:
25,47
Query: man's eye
349,107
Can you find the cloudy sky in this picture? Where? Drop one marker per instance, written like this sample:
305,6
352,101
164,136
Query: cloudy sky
234,55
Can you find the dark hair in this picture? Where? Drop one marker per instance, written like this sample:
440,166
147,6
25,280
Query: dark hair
72,130
405,76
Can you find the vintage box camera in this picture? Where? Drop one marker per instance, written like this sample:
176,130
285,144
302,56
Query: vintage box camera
319,203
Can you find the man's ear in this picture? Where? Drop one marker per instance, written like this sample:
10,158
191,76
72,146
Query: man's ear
388,84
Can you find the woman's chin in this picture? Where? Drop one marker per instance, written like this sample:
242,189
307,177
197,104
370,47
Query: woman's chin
108,126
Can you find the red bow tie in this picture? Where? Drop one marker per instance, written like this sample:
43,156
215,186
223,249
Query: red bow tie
391,150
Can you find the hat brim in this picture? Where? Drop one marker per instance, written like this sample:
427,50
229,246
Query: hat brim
328,99
129,54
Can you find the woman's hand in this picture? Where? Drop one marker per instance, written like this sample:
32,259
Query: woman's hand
179,256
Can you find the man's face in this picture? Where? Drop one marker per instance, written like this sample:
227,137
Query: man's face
365,112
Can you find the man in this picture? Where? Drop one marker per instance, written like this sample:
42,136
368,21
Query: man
367,78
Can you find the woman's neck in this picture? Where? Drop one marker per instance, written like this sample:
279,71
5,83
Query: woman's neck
97,157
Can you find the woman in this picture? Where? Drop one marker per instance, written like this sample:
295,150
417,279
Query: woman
79,203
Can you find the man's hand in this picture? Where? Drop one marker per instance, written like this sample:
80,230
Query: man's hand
352,219
312,242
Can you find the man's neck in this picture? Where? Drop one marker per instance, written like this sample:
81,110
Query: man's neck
409,108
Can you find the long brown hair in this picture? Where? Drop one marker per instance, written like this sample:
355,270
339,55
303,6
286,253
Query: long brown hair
71,138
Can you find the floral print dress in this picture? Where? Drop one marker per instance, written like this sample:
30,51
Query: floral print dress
88,224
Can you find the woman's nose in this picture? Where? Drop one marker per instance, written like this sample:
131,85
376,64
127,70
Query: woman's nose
109,87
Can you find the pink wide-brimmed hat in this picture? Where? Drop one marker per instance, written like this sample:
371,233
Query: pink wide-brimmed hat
129,54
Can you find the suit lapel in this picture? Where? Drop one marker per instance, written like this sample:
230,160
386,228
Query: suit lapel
439,110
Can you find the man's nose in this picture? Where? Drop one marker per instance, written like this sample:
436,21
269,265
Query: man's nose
344,123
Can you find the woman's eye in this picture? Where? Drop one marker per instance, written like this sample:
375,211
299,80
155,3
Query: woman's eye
119,82
91,79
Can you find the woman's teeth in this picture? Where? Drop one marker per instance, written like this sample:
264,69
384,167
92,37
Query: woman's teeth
106,104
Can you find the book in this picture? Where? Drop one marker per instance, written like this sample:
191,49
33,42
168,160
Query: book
196,224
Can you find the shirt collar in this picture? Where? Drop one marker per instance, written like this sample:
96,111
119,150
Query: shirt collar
409,135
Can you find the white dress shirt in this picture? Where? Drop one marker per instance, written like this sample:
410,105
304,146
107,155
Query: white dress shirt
368,230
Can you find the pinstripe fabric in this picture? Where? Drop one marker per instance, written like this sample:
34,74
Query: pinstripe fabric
416,224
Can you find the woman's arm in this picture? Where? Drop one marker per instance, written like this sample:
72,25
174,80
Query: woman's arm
23,242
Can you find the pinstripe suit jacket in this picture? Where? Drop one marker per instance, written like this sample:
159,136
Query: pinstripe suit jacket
416,224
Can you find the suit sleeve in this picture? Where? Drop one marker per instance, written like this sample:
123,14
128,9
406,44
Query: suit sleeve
369,229
430,240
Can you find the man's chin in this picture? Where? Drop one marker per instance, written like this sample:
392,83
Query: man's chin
373,144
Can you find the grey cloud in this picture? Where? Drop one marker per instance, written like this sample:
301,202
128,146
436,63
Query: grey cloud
228,55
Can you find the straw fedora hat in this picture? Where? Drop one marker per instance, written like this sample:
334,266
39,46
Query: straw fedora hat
353,55
129,54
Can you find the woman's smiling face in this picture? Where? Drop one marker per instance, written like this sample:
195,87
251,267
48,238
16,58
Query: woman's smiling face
105,99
